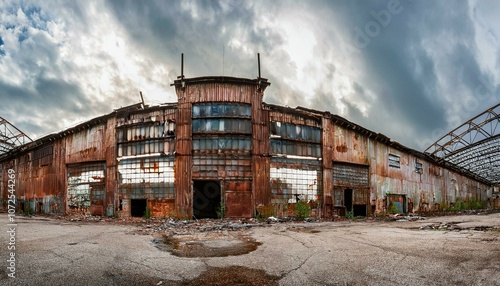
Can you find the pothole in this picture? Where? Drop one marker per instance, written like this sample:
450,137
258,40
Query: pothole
206,245
233,275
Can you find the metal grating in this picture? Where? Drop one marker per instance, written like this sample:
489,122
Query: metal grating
474,146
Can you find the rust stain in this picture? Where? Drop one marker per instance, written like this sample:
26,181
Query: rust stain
341,148
42,171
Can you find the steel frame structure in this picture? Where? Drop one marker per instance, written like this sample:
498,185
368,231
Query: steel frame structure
473,147
11,137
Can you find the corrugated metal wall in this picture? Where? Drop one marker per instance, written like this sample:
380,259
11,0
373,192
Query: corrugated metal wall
332,154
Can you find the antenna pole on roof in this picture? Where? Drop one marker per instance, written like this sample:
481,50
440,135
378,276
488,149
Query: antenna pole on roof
258,63
182,66
142,99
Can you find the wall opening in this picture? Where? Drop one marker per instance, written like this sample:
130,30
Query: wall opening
396,203
348,199
359,210
138,207
206,198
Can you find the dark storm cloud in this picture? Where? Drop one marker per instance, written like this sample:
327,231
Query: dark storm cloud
199,29
418,73
401,71
50,97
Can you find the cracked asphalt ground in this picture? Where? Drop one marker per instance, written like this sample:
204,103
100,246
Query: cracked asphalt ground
450,250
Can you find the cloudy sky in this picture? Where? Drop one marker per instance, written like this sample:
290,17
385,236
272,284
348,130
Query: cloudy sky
412,70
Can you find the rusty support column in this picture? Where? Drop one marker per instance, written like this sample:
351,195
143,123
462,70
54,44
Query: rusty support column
261,188
327,148
183,158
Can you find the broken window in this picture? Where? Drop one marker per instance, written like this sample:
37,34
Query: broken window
215,125
295,148
146,147
146,178
148,138
293,139
295,131
216,109
289,185
228,125
222,143
86,184
394,161
419,167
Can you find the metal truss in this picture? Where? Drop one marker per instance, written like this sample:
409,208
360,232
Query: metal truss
474,146
11,137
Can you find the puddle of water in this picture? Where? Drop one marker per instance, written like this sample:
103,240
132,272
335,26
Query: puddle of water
233,275
189,246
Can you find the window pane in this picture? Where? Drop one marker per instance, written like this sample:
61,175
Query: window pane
221,125
196,111
248,111
241,127
247,144
215,124
160,130
274,128
196,125
222,144
306,133
215,109
241,144
298,131
283,132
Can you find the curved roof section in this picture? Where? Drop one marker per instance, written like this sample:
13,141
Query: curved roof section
474,146
11,137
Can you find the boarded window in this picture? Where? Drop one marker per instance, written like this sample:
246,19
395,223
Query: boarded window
228,166
394,161
350,175
43,156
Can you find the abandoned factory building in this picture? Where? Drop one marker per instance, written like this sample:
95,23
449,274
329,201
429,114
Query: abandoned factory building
221,145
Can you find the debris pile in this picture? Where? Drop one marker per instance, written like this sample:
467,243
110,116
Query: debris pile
455,226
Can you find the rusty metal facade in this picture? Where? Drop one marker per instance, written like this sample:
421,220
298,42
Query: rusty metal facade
145,146
221,146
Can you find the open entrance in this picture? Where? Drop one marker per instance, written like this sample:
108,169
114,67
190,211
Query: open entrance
206,198
348,199
396,203
138,207
359,210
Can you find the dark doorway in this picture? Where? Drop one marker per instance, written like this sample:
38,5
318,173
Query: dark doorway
206,199
359,210
138,207
348,199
